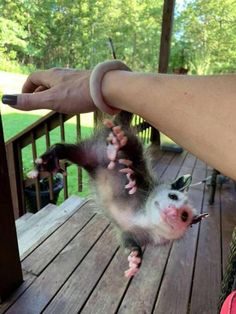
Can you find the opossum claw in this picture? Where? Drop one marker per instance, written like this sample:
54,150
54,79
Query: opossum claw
126,171
131,184
133,190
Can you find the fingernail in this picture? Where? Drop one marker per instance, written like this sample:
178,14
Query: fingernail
9,100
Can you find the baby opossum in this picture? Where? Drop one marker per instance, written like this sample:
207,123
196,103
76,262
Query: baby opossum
144,211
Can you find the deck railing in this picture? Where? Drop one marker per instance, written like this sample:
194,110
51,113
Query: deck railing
42,129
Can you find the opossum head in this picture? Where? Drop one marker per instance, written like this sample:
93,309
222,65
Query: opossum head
169,211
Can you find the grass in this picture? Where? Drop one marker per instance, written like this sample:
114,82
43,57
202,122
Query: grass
15,67
14,122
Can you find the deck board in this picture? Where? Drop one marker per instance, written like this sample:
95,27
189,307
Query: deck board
178,274
79,268
208,262
40,258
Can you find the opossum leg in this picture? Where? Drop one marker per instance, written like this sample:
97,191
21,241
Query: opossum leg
116,140
135,254
49,161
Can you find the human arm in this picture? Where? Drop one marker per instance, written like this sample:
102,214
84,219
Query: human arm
198,112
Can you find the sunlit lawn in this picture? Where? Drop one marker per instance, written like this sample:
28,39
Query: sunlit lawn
15,122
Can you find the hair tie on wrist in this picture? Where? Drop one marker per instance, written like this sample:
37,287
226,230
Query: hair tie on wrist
95,83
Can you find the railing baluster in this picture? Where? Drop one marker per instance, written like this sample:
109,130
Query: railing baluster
50,178
98,116
20,183
37,185
78,132
146,135
62,130
14,147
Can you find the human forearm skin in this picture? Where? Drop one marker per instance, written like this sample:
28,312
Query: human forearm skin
198,112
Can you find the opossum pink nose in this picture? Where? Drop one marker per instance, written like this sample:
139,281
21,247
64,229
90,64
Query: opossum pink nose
171,211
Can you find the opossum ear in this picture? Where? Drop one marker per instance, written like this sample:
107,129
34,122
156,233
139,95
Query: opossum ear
182,183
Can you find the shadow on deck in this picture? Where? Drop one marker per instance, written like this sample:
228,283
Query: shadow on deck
79,267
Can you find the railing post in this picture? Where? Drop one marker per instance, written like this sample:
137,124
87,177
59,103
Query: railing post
164,52
10,266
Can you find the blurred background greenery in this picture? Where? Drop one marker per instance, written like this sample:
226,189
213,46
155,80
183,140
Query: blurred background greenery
39,34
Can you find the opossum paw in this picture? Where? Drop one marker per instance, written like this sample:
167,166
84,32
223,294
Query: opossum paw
134,264
116,140
48,162
33,174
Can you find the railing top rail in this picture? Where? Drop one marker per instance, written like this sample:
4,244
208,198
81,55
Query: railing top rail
51,119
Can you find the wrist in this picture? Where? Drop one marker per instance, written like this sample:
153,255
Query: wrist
96,84
114,89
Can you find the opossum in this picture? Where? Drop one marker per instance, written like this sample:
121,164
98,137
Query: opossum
143,210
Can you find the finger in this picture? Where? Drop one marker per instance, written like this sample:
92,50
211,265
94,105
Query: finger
40,89
34,80
32,101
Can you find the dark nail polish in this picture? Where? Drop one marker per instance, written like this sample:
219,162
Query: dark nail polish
9,100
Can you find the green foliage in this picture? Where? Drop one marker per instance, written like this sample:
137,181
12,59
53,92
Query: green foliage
75,33
14,66
65,33
205,37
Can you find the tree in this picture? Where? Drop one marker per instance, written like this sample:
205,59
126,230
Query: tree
205,37
75,33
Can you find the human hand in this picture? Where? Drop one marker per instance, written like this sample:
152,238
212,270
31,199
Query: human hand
58,89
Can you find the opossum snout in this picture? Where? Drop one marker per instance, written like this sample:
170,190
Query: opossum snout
174,215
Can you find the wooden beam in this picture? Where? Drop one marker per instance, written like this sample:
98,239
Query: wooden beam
164,52
10,266
167,22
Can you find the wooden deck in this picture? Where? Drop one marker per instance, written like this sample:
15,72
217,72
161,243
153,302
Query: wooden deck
79,267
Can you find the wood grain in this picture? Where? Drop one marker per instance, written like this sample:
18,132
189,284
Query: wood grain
49,221
207,274
56,274
28,280
74,293
37,261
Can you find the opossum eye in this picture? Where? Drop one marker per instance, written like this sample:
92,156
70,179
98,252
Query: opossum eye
184,216
173,196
